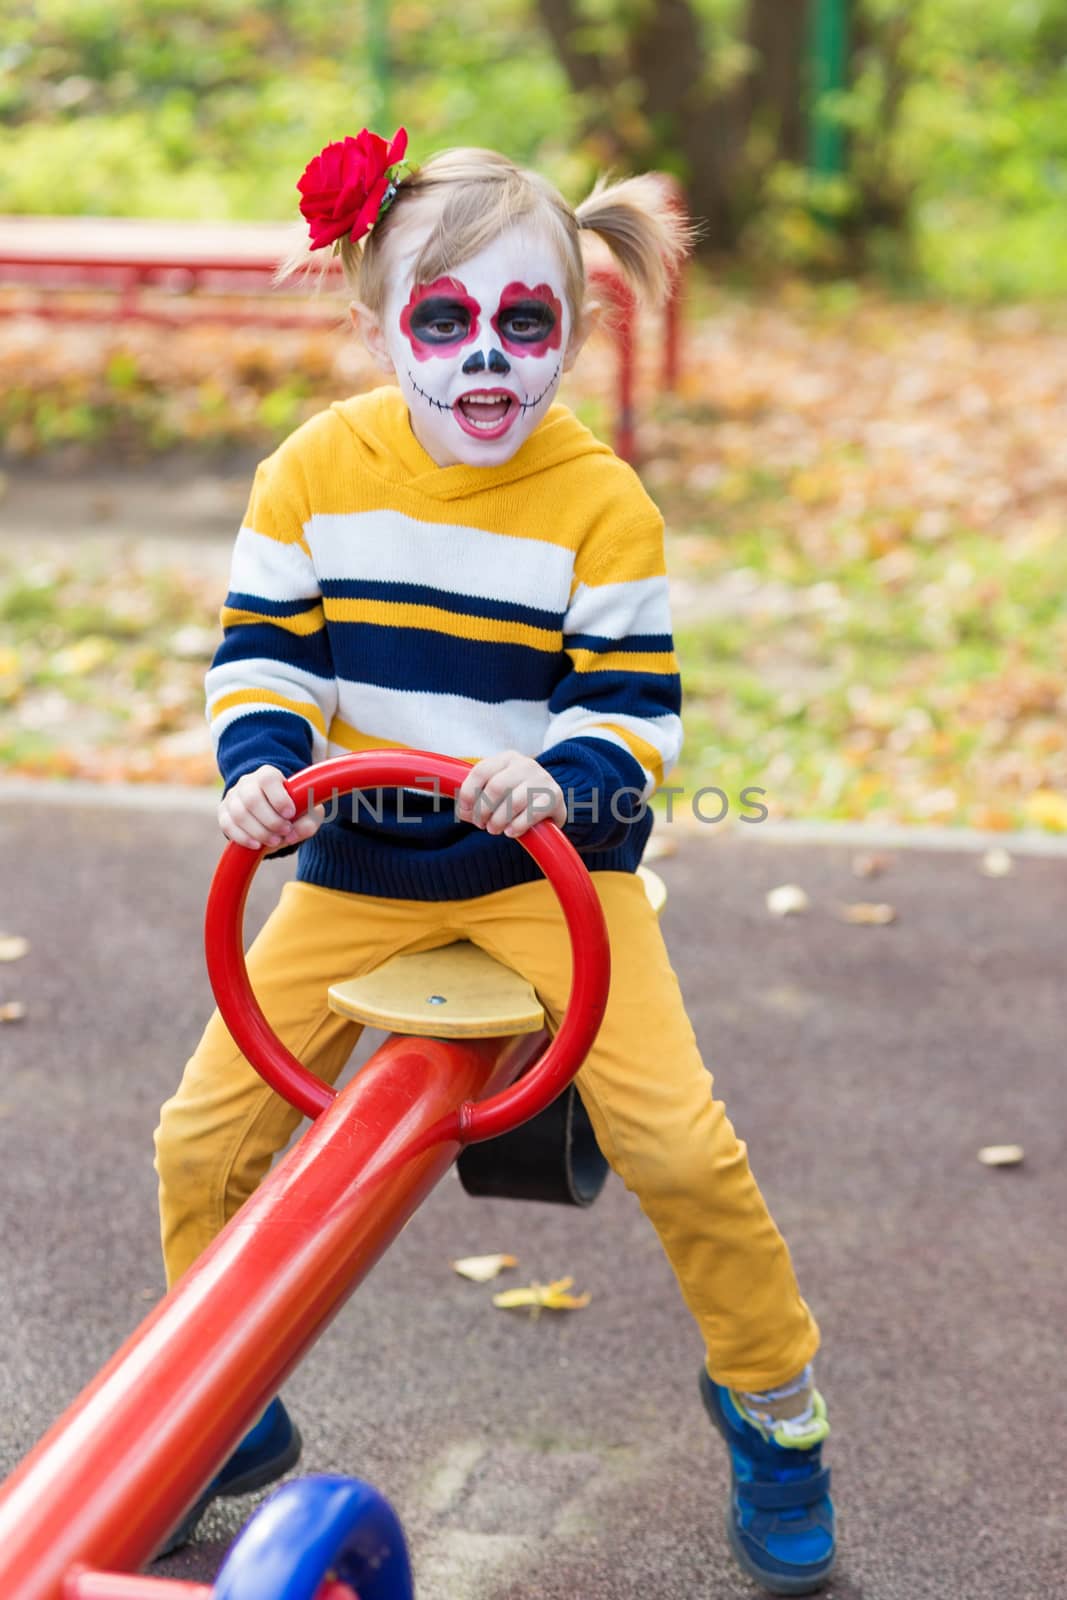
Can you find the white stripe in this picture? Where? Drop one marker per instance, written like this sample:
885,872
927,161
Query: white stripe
387,547
449,723
615,610
273,571
663,733
260,672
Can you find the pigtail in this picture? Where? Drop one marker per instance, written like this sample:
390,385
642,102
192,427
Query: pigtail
643,225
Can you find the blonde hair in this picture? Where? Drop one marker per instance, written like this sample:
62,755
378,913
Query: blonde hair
479,194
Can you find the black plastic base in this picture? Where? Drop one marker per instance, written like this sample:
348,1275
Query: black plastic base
553,1157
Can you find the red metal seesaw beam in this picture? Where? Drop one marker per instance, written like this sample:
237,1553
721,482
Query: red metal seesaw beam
115,1473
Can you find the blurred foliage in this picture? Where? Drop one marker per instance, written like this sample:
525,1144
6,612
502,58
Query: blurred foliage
956,115
167,108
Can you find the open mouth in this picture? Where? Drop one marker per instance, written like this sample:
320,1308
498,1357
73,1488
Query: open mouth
486,413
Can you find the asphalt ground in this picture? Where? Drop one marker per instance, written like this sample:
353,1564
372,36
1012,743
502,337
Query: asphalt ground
567,1457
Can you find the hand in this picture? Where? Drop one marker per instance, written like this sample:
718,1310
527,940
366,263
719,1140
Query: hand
508,793
258,813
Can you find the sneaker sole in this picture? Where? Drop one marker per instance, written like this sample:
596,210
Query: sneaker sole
774,1582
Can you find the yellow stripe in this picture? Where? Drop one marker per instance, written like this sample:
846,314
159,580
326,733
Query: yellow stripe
656,661
303,622
269,697
350,738
489,630
640,749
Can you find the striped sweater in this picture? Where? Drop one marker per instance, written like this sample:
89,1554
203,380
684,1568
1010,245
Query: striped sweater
377,600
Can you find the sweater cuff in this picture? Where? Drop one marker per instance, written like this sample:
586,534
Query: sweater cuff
263,739
603,787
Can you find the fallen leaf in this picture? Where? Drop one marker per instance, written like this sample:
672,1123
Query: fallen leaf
79,659
13,946
1000,1155
996,863
787,899
12,1011
479,1269
867,913
869,866
542,1297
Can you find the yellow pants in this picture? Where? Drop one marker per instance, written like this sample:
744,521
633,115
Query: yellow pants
647,1092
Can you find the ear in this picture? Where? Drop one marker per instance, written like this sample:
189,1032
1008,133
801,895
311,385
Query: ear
368,325
585,324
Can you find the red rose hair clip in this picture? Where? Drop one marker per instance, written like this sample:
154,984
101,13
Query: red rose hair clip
348,186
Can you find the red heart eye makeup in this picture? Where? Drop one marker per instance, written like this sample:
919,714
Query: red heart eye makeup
439,317
528,321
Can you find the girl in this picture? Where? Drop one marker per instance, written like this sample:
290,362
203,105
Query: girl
455,563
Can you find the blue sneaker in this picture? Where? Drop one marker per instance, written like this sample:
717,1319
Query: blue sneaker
781,1519
266,1452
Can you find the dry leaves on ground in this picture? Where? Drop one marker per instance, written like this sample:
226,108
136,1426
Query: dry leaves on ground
542,1297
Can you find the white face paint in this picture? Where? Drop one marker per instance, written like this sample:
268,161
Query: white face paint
479,353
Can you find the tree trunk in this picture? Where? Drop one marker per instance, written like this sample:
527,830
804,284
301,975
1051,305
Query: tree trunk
721,137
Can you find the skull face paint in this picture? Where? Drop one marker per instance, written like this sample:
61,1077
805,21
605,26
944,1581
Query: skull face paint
479,353
439,316
529,321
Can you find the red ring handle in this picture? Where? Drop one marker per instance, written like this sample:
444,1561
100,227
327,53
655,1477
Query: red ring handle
418,769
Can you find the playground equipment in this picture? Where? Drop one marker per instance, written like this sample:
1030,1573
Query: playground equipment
128,269
101,1491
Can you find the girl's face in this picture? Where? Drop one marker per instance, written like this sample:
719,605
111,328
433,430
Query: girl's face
480,352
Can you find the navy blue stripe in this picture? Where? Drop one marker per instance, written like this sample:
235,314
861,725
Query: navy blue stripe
270,608
423,594
635,694
309,651
633,641
422,660
256,738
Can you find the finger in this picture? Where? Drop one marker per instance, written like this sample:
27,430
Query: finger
521,823
272,785
237,835
505,812
246,820
531,808
304,827
256,804
471,788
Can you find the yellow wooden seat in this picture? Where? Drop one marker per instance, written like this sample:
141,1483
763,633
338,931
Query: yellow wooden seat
457,992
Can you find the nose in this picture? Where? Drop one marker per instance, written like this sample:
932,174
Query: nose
498,363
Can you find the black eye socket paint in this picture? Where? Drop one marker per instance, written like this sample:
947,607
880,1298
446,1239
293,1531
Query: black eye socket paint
439,314
529,319
440,321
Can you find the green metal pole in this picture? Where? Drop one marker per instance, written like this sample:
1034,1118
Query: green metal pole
829,71
380,64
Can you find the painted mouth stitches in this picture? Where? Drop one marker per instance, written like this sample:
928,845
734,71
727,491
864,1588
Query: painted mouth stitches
526,405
